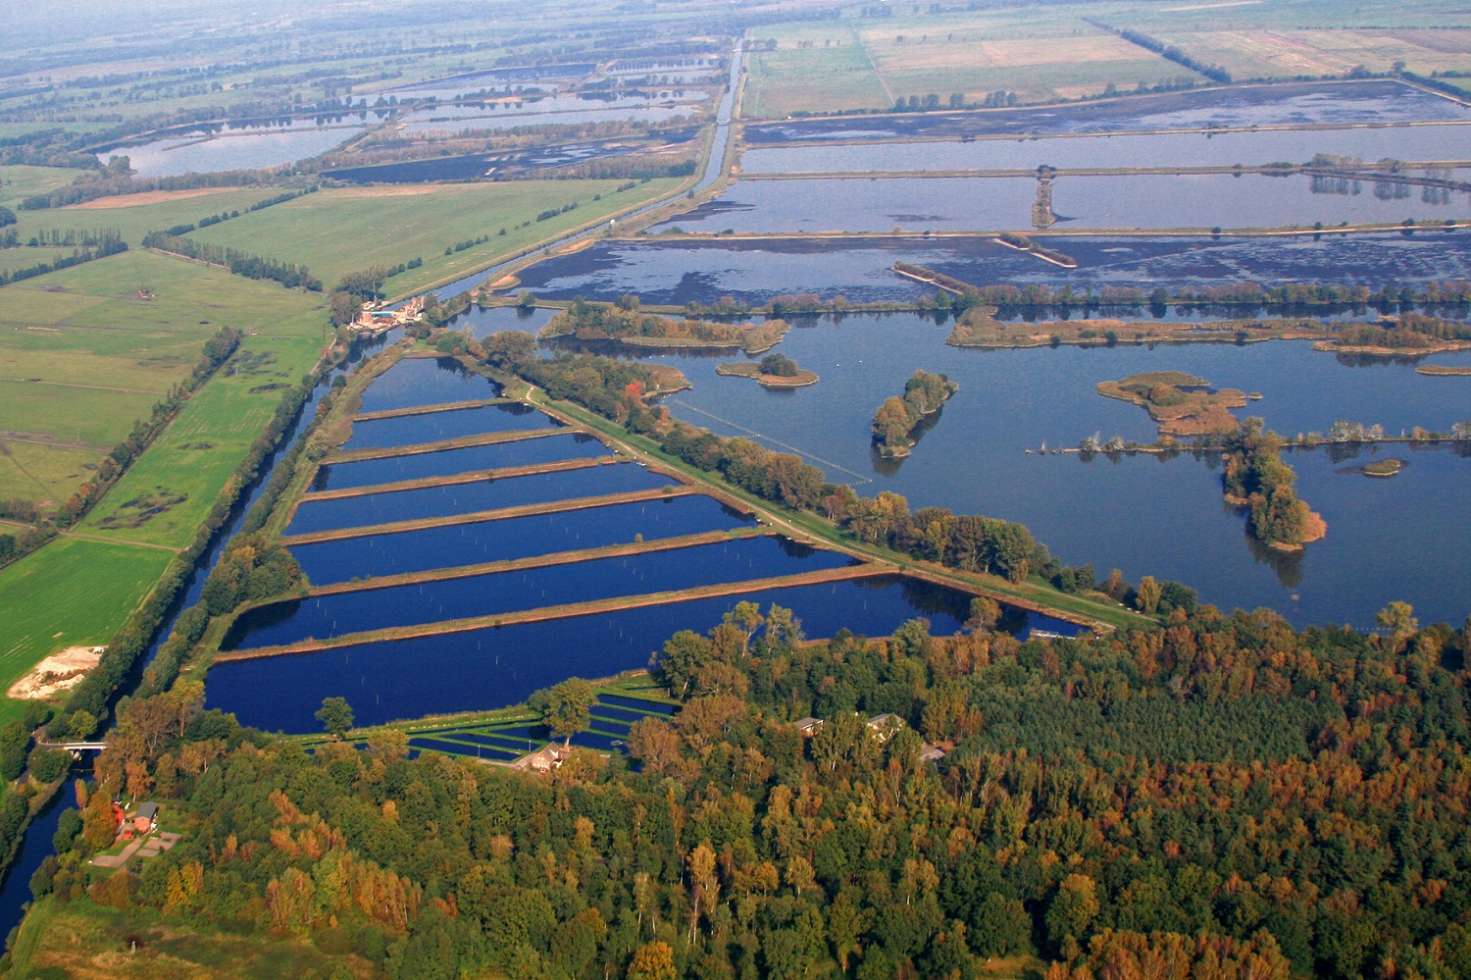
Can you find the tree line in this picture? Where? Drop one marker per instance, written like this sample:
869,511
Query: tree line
247,264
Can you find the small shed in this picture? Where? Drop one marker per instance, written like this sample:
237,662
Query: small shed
807,727
931,753
885,725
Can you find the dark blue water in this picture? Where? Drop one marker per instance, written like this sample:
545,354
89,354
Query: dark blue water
489,668
35,846
1297,104
675,272
381,508
408,430
607,715
525,452
325,617
516,537
416,381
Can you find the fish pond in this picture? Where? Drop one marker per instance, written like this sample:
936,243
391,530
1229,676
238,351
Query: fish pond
392,469
416,381
513,537
443,501
329,616
487,668
1148,201
1293,104
408,430
1142,150
676,272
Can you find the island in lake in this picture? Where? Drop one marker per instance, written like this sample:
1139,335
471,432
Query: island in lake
896,420
772,371
1181,404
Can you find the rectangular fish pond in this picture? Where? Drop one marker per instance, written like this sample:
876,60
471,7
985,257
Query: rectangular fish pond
427,502
328,616
391,469
495,667
513,537
408,430
416,381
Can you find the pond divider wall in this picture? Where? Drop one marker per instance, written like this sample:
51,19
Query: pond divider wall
393,413
471,476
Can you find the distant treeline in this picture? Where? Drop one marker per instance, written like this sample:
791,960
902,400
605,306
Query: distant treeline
223,216
90,188
1169,51
246,264
111,247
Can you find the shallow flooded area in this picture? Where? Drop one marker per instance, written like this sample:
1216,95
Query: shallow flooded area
678,272
1152,150
1291,104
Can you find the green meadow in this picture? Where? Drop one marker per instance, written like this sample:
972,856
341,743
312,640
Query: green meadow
336,232
72,592
135,215
18,181
82,357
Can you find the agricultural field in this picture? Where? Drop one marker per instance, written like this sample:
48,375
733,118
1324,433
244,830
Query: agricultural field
1253,53
336,232
872,63
82,356
135,215
73,592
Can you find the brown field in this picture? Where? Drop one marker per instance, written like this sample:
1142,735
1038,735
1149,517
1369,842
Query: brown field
400,190
1266,53
144,198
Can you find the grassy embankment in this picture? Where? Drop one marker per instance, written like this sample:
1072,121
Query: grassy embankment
345,230
80,588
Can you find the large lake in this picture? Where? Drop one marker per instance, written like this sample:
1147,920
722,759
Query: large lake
1405,538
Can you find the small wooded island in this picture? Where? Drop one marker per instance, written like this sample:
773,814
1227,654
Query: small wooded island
624,323
1255,477
772,371
897,418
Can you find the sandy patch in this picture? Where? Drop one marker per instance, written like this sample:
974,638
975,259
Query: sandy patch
144,198
397,190
57,673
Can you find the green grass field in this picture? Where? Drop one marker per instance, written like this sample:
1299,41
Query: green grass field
829,79
133,219
72,592
18,181
81,357
336,232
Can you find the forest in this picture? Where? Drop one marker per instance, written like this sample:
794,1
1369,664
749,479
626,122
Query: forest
1223,796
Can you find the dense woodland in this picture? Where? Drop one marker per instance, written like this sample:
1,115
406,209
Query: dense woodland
1221,797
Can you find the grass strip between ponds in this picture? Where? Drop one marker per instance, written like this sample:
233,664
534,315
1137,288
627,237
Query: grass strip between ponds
539,561
471,476
564,611
463,442
500,513
395,413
